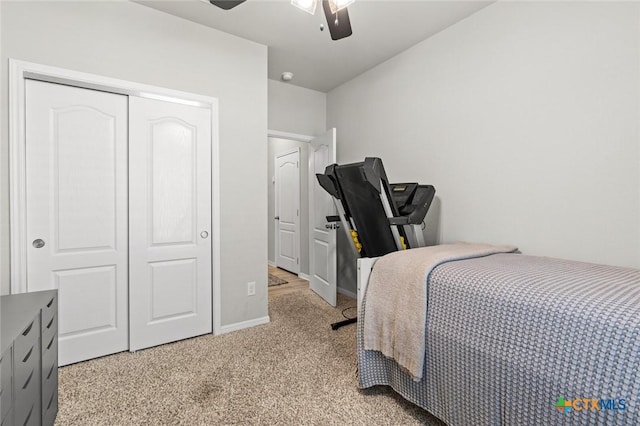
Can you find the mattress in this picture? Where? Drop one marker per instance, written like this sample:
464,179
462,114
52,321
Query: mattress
517,340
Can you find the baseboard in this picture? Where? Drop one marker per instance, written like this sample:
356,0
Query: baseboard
272,263
347,293
304,276
244,324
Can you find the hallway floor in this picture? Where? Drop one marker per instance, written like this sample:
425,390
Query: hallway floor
294,283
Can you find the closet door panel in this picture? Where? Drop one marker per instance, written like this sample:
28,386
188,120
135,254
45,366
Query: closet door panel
172,174
76,165
170,222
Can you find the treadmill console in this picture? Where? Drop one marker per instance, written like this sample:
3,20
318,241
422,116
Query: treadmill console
402,193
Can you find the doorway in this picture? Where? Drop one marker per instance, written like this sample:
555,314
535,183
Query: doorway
277,147
318,256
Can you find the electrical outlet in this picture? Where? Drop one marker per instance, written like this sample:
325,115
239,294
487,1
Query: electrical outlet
251,288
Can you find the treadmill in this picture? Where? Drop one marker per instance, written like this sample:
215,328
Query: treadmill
378,217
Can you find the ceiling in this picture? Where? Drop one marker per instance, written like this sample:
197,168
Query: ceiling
381,29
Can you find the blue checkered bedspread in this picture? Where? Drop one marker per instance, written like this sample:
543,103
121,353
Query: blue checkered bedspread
510,337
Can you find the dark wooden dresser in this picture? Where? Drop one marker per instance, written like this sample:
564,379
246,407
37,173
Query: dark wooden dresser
29,358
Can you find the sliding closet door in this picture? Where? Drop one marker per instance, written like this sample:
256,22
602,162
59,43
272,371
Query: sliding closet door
169,222
76,186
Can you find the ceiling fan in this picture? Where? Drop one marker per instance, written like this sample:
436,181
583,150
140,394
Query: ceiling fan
335,11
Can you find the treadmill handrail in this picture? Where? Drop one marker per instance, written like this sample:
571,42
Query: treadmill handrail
422,200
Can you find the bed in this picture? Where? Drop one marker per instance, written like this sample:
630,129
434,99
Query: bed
511,339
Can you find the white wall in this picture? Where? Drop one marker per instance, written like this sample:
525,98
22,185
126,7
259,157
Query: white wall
301,111
132,42
525,116
296,109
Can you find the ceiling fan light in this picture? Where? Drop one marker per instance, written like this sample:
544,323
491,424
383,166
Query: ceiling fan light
337,5
308,6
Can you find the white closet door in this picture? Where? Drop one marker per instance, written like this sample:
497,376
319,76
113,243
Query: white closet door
76,165
169,222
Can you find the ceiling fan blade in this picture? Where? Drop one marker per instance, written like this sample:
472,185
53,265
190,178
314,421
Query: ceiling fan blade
226,4
338,23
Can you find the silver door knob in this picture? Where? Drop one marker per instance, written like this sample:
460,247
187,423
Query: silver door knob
38,243
204,234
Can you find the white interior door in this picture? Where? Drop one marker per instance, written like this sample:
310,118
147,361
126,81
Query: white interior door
322,241
169,222
76,166
287,208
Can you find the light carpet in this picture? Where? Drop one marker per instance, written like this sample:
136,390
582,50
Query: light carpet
292,371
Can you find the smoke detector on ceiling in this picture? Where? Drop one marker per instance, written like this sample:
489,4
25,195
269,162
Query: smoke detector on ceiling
287,76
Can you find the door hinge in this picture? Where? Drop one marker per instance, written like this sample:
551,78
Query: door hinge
297,212
297,261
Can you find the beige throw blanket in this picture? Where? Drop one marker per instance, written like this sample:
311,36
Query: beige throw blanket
396,299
